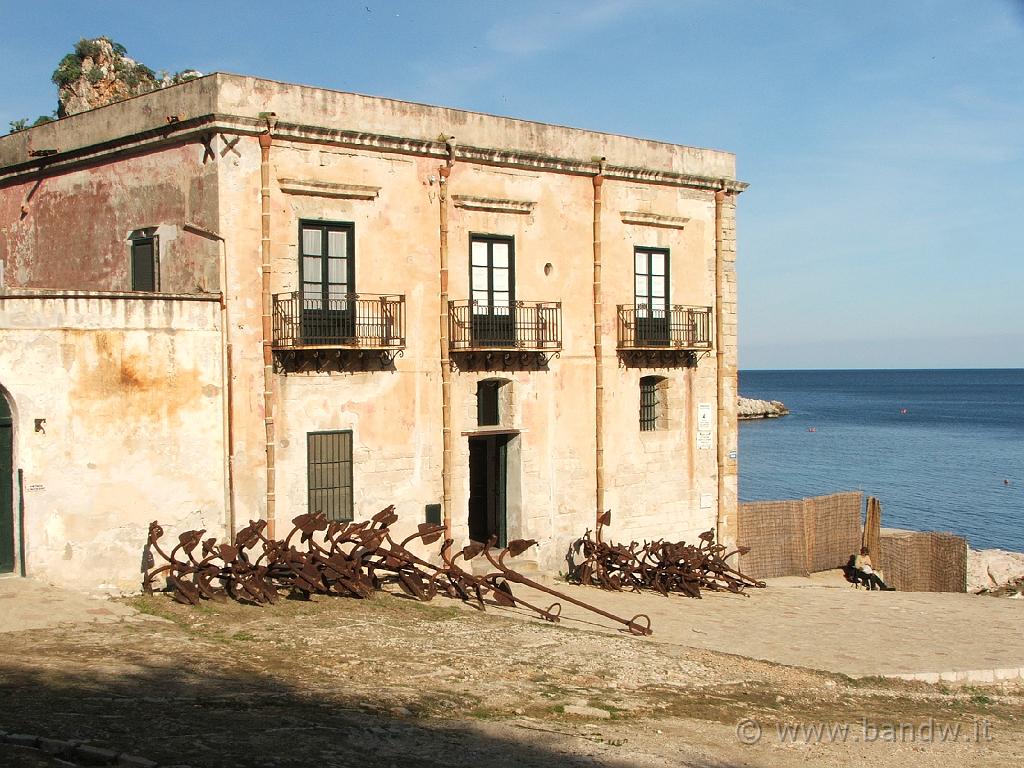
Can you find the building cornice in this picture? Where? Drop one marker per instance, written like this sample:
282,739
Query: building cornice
328,189
493,204
199,128
646,219
7,294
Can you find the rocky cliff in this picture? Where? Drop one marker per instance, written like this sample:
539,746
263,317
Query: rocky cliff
99,72
761,409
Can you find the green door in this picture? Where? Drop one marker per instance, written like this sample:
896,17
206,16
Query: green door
6,489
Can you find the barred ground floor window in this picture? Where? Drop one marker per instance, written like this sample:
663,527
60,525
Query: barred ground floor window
329,472
653,403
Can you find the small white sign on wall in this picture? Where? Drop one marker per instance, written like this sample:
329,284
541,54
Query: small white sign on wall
706,500
704,414
704,440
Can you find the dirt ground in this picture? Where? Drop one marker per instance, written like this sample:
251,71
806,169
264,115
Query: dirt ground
389,681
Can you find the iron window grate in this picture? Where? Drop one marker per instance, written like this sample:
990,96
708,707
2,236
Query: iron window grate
329,468
648,404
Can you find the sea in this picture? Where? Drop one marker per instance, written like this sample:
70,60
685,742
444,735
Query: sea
942,450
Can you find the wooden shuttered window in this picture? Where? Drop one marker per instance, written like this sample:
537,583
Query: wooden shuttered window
145,261
487,410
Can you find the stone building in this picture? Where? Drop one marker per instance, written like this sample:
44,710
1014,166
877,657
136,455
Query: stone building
236,299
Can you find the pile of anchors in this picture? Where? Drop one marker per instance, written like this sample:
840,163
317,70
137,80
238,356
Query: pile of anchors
345,559
661,566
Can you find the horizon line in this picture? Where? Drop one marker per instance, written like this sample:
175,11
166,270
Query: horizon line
993,368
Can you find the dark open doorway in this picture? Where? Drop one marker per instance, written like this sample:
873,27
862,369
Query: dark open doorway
488,488
6,488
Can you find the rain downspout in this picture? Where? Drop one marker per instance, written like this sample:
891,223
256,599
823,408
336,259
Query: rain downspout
266,139
446,372
22,560
598,353
226,374
723,426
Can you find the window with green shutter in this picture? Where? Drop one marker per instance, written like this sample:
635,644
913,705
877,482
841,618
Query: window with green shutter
145,260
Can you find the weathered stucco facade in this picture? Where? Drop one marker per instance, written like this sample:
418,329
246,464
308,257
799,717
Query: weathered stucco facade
314,255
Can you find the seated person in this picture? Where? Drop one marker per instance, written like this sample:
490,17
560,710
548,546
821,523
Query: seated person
851,574
866,572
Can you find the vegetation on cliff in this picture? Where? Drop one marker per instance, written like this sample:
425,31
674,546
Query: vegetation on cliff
98,72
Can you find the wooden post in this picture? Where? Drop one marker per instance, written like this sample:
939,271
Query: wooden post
872,538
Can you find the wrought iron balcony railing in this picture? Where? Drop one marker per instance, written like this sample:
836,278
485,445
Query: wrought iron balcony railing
355,321
526,326
675,327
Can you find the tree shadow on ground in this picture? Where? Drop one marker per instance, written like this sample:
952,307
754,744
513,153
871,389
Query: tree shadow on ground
180,715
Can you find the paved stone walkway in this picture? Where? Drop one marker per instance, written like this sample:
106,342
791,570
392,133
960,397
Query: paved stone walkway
820,623
823,623
28,604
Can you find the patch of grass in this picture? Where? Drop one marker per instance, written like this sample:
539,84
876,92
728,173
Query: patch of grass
555,691
445,705
611,709
437,610
484,713
245,637
155,605
207,608
871,681
320,610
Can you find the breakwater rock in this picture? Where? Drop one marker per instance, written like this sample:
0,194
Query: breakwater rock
994,570
761,409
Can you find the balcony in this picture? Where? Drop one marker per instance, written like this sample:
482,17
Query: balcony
669,337
342,332
526,334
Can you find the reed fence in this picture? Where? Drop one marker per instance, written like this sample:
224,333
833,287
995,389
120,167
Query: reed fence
796,537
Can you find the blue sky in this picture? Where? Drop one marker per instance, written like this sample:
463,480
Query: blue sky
884,142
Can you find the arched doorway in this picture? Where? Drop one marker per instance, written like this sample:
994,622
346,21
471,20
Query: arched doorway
6,487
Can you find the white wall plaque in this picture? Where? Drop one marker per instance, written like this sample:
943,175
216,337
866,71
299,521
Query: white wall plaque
704,416
704,440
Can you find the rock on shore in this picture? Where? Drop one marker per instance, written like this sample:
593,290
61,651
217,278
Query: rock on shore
991,569
761,409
